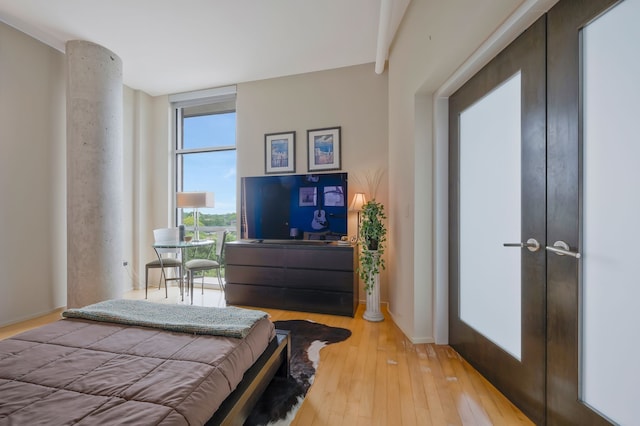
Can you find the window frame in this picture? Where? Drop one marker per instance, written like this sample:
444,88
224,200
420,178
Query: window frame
209,102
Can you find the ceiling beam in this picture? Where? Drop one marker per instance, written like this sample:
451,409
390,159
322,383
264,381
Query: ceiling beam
382,49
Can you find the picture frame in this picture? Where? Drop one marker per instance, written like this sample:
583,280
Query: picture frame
324,149
280,152
333,196
308,196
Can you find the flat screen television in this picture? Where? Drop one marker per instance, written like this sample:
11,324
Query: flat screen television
311,207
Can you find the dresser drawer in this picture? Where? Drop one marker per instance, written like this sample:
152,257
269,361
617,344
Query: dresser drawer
319,280
334,258
242,274
254,256
292,276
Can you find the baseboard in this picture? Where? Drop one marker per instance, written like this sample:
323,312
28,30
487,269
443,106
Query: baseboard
32,316
414,340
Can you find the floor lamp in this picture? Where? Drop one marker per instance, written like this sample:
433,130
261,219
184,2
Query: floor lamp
357,204
194,200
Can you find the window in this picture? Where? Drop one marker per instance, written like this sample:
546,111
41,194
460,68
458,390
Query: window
205,157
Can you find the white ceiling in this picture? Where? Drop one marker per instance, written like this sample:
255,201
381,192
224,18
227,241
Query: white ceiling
170,46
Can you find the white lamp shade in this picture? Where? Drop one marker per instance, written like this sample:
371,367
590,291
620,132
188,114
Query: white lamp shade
194,199
358,202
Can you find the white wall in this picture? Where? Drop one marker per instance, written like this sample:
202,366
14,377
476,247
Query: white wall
433,40
386,122
130,187
354,98
33,253
147,179
33,81
32,177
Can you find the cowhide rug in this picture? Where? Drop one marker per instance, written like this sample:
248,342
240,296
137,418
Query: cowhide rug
283,397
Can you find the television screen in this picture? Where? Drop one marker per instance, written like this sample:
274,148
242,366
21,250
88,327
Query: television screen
311,207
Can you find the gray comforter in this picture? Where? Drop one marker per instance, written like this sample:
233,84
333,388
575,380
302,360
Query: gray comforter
84,372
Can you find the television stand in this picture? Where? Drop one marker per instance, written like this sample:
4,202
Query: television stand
318,276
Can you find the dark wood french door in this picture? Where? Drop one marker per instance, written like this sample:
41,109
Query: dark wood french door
513,360
565,173
554,377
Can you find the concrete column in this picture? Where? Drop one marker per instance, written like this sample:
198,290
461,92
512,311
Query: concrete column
94,174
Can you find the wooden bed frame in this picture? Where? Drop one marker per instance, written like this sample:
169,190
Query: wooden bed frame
238,405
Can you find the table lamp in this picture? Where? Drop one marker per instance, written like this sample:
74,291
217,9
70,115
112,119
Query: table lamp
357,204
195,200
293,233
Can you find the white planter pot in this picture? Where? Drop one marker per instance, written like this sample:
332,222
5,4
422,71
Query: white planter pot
373,313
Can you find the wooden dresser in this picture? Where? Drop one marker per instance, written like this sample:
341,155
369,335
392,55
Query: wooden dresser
301,276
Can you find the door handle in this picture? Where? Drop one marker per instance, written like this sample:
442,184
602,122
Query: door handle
532,245
562,249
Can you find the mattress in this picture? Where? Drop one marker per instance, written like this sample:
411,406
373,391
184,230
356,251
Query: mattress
83,372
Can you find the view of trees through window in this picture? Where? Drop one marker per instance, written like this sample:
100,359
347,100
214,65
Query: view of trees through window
206,161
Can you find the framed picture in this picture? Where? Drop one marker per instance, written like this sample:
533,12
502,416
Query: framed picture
280,152
323,151
308,196
333,196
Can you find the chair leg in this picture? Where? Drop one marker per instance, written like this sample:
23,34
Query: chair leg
180,272
220,280
166,288
191,285
182,287
161,276
146,281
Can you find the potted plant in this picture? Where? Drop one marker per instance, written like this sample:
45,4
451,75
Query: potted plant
372,237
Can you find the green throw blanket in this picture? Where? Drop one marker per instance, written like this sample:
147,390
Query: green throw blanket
228,322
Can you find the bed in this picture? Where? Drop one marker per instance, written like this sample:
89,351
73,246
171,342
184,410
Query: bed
137,362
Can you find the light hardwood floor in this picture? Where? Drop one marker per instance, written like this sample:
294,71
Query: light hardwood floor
376,377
